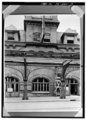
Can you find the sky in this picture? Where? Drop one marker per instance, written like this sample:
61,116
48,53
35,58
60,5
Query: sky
66,21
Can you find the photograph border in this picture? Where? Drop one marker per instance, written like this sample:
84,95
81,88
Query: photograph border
44,114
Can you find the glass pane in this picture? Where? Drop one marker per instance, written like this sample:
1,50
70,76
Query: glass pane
44,87
12,85
40,84
41,87
16,88
47,87
35,86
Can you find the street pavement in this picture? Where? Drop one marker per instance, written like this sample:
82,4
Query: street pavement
47,106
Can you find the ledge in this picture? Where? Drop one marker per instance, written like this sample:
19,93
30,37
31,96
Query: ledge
40,92
40,44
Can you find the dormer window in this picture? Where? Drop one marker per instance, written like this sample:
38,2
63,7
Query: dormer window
47,37
70,41
10,36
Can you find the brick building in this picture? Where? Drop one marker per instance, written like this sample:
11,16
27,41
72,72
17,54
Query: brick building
37,62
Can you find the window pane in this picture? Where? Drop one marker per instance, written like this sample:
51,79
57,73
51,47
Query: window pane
70,41
12,85
12,82
40,84
16,88
10,38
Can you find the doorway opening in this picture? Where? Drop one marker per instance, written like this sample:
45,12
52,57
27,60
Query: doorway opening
74,89
73,86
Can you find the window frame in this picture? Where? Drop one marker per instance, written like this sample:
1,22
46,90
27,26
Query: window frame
40,86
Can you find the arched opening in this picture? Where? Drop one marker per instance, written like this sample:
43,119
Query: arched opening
73,86
11,86
40,84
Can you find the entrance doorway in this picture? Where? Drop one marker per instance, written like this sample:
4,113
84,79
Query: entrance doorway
73,86
74,89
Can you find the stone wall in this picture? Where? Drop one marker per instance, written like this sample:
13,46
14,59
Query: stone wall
33,72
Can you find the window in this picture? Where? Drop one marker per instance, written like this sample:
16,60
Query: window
13,83
71,81
70,41
36,36
78,39
47,37
10,36
40,84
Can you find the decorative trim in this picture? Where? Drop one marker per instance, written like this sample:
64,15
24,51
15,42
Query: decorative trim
39,75
9,72
42,54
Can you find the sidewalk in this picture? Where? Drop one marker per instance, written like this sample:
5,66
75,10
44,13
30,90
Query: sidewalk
42,99
66,107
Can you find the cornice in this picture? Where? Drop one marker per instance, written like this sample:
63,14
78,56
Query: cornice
15,44
42,54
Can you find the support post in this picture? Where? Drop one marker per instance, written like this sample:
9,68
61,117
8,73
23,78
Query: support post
25,97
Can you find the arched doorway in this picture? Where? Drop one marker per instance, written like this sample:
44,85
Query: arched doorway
11,86
40,84
73,86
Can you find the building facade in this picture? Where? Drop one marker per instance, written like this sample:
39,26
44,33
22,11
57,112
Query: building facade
36,61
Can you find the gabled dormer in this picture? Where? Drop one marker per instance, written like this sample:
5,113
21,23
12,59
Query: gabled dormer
70,37
12,34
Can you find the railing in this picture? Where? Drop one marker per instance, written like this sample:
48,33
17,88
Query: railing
38,86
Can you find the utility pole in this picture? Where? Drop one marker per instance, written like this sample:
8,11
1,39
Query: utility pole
63,86
25,97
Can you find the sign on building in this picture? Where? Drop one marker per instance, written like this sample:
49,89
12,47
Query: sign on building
29,87
10,89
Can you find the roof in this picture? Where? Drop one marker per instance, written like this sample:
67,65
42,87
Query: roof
59,34
69,30
11,27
